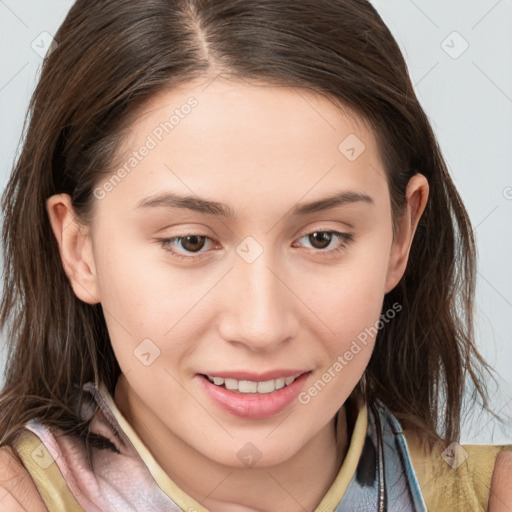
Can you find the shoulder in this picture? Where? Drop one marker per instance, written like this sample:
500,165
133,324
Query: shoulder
458,477
18,492
500,499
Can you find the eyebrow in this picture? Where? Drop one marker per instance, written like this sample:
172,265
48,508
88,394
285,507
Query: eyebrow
205,206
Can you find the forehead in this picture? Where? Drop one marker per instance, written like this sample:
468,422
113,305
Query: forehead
233,139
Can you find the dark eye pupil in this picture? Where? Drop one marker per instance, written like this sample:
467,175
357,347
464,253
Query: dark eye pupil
323,237
318,239
193,242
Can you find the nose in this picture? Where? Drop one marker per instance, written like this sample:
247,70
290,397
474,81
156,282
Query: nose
258,306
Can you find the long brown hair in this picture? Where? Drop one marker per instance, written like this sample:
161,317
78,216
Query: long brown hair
114,55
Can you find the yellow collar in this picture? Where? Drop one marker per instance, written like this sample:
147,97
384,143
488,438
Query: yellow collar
329,502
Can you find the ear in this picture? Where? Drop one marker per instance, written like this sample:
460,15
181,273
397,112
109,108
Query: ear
416,200
75,248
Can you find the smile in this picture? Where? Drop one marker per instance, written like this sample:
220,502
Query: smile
253,399
248,386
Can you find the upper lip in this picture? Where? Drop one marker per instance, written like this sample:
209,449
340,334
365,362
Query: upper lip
257,377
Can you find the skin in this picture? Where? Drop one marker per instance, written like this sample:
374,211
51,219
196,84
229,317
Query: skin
260,150
18,492
500,498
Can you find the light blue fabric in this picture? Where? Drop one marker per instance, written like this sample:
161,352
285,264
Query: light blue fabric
384,480
118,479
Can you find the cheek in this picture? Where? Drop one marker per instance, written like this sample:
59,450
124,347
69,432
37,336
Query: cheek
348,302
349,296
132,285
133,308
144,298
353,317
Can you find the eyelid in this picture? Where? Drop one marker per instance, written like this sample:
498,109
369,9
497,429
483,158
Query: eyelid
167,241
345,238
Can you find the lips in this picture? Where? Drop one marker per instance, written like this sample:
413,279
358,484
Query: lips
256,377
253,405
247,386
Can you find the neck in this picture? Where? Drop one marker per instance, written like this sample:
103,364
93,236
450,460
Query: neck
296,484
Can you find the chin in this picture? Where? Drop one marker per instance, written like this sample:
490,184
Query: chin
254,455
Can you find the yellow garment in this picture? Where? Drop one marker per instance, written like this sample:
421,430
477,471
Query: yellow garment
445,488
58,497
187,503
463,485
49,481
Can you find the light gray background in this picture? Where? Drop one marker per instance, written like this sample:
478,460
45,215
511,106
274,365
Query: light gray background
466,92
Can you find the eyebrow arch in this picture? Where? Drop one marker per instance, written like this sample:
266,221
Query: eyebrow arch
197,204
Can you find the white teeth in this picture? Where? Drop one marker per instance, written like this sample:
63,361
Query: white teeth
266,387
231,384
280,383
247,386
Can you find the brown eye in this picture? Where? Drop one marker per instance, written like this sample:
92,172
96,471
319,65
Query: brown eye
193,243
322,239
190,244
328,242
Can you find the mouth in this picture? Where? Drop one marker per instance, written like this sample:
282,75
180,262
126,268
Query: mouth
250,386
253,399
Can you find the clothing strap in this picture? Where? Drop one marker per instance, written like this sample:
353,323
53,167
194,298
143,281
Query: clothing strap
48,479
384,480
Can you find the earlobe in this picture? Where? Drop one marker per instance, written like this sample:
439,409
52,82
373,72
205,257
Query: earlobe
75,248
416,201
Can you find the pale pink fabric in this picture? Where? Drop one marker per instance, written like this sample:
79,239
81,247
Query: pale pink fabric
109,481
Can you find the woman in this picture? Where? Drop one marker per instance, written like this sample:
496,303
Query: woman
246,256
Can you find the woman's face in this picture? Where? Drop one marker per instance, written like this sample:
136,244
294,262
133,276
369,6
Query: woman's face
204,257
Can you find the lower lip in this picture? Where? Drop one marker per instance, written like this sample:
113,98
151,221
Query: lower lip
253,405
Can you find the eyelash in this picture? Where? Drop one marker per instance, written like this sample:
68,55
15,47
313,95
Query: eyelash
345,240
